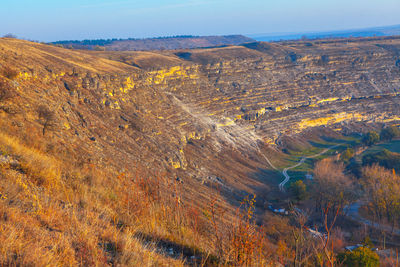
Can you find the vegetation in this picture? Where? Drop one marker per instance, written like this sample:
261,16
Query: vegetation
9,72
360,257
299,190
157,43
103,42
102,221
332,189
56,213
6,91
347,155
47,118
10,35
382,186
389,133
371,138
385,158
116,201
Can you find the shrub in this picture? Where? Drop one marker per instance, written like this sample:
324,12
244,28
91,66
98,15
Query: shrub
360,257
388,133
385,158
370,138
6,92
47,118
299,190
9,72
99,48
347,154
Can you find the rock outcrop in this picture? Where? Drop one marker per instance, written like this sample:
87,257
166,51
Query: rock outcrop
209,112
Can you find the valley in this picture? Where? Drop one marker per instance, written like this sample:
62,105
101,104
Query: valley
139,142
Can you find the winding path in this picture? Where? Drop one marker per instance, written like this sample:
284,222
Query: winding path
351,211
303,159
269,162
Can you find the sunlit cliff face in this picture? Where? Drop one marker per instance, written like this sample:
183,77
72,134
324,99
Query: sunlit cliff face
238,98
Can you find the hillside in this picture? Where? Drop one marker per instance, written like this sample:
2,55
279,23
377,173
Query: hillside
366,32
161,43
117,157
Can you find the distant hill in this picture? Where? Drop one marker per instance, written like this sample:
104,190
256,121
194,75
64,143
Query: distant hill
160,43
366,32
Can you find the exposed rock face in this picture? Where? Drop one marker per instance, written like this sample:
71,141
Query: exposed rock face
210,111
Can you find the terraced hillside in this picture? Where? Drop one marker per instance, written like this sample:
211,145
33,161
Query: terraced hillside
75,125
201,113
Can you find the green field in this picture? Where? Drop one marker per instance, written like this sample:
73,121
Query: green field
292,157
317,147
393,146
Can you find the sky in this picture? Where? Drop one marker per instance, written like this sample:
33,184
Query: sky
52,20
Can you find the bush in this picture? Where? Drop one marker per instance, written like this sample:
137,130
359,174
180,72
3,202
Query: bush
299,190
47,118
385,158
388,133
354,167
360,257
370,138
347,154
99,48
9,73
6,92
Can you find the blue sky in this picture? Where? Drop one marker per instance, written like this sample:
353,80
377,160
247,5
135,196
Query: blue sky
50,20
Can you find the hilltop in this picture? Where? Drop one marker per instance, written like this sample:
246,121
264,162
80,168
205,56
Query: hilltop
365,32
160,43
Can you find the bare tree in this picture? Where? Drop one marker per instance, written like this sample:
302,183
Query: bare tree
382,187
327,243
303,241
47,118
333,189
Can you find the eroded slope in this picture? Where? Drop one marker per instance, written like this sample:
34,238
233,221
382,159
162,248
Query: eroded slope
205,115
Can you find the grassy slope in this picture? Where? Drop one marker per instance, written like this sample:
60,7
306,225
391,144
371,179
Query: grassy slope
56,214
57,211
59,207
316,147
90,212
393,146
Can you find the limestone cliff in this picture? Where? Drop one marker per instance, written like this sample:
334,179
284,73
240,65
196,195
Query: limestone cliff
200,114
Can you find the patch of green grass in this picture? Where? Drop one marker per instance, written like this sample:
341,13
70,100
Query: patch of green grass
269,176
307,152
296,175
393,146
317,146
300,172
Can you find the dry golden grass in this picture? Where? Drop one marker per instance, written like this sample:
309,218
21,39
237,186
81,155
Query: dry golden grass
57,208
54,214
62,57
42,169
48,220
